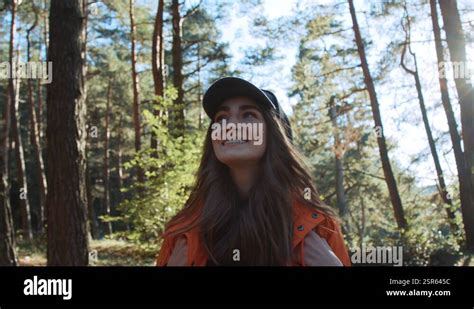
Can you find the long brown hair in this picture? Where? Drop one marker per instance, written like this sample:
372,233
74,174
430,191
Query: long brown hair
261,227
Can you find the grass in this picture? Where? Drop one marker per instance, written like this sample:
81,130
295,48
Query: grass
107,252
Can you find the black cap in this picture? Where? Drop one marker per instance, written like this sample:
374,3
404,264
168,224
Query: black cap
228,87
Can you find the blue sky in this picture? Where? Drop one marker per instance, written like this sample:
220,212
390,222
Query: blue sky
410,135
238,33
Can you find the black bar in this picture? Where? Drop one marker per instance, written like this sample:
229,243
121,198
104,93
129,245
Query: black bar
356,285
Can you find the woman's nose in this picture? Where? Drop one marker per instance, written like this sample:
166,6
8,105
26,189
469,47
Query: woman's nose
234,118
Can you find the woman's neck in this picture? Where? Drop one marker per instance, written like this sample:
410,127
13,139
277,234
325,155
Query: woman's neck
244,177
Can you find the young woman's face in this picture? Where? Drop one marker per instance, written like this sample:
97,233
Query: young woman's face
240,110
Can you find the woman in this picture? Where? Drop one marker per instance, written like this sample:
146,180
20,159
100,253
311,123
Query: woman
253,203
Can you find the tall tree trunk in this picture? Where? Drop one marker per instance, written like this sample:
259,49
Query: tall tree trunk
362,222
93,224
8,255
434,153
46,27
25,215
136,89
464,178
119,157
35,140
91,138
457,52
177,122
68,242
108,225
85,14
39,118
340,194
157,66
40,85
119,163
199,100
387,168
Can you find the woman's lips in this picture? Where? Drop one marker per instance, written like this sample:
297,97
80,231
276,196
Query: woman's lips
233,142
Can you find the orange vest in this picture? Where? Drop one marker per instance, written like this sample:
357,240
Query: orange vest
304,220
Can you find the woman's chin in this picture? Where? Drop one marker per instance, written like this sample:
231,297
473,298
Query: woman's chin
238,159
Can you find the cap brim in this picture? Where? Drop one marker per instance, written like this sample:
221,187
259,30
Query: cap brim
228,87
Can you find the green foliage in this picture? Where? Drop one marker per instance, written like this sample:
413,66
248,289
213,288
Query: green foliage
169,175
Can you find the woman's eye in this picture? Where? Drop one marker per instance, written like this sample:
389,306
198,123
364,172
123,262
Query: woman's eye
220,118
249,115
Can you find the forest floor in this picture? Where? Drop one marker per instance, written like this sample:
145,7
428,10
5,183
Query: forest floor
105,252
111,252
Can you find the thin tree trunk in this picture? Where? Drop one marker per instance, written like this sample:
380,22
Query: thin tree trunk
40,85
45,27
68,241
136,89
465,184
93,227
457,52
387,168
35,140
434,153
201,113
340,194
25,215
119,157
158,63
85,13
93,224
119,163
40,163
177,123
362,223
108,225
8,255
39,121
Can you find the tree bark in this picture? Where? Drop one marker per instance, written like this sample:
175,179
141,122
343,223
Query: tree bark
120,158
465,184
457,51
93,224
120,174
35,141
8,255
85,13
108,225
136,89
135,83
67,230
25,214
40,85
158,63
177,122
387,168
39,93
199,100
